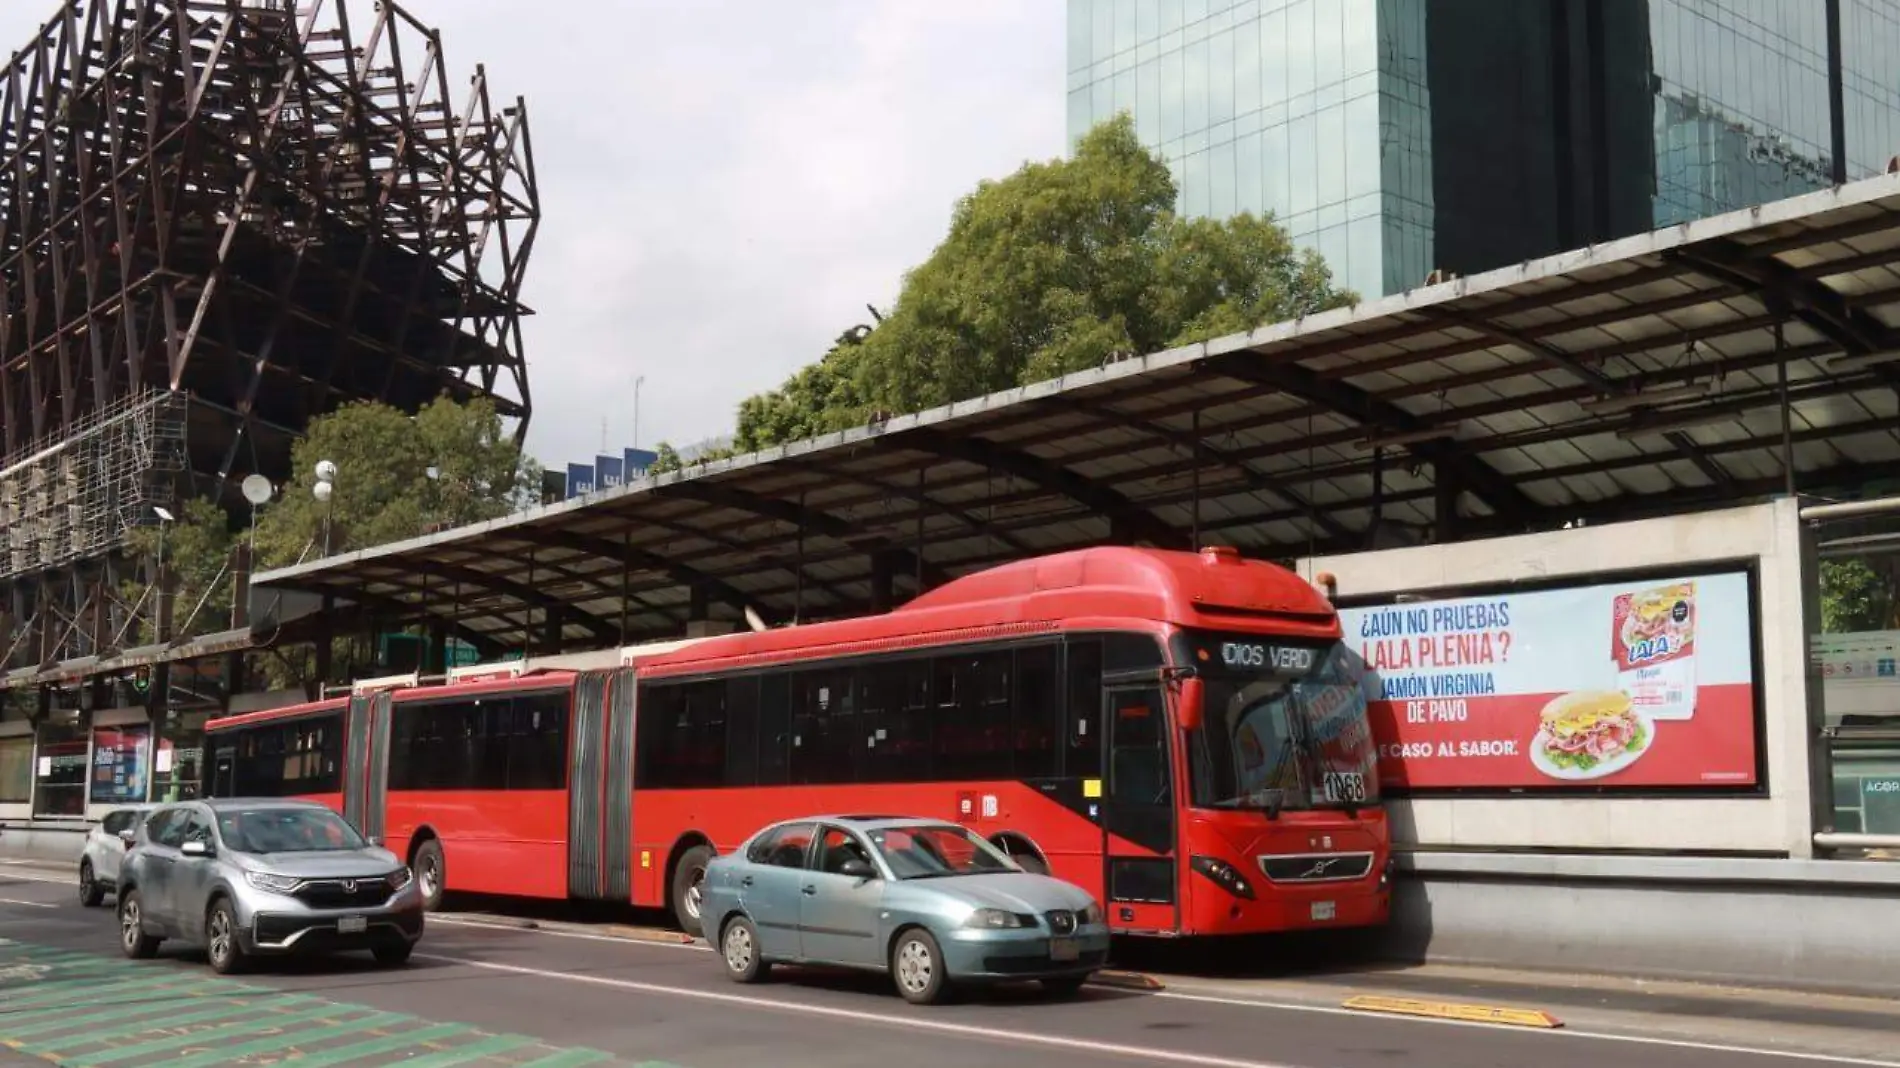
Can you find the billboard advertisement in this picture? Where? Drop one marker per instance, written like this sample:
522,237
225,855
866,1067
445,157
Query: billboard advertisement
1640,684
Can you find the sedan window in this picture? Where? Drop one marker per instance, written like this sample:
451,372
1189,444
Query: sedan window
785,847
838,847
931,852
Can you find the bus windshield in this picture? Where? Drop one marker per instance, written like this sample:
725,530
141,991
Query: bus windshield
1283,727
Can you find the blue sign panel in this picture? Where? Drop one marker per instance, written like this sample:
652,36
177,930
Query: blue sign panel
611,471
638,460
580,480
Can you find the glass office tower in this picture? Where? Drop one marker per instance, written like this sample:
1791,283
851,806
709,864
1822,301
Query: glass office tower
1402,136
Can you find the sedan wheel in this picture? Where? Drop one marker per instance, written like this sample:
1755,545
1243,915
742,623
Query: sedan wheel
917,967
740,947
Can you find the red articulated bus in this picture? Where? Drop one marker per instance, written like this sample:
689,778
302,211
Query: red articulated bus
1182,734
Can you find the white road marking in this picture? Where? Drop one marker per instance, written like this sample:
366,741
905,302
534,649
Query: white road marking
1566,1032
37,878
914,1023
31,904
456,920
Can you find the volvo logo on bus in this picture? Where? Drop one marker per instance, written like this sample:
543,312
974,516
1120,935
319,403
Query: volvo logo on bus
1277,657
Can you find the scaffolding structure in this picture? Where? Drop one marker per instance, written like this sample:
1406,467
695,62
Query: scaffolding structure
83,496
264,209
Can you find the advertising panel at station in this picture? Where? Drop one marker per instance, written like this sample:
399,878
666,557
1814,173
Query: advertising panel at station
1641,684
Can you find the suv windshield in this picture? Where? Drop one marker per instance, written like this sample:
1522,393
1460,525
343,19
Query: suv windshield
933,851
287,830
1284,727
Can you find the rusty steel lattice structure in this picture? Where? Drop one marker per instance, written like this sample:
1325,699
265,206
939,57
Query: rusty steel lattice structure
266,207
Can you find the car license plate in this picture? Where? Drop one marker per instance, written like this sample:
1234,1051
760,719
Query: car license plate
1323,910
352,925
1064,949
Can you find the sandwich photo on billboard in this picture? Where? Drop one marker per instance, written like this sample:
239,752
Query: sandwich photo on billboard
1589,734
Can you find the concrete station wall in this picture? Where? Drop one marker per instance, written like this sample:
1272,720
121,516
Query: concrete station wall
1606,883
1767,535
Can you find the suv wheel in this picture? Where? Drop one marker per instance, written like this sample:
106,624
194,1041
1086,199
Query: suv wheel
221,939
132,937
393,954
90,892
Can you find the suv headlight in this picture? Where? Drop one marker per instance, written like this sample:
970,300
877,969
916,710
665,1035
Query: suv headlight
995,920
1092,914
276,884
400,878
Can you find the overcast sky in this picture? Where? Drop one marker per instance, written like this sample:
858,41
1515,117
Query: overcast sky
726,183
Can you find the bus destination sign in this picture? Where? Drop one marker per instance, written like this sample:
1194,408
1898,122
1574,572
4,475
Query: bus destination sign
1259,656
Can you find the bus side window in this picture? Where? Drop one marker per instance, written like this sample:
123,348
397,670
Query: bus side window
824,726
537,752
742,730
775,728
1037,721
1082,734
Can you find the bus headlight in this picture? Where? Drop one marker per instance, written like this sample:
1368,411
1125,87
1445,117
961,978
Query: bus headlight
1225,875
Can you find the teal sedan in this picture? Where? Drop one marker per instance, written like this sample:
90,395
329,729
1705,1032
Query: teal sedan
929,902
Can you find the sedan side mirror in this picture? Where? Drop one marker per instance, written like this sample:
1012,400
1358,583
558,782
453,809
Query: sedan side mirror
375,840
128,837
197,847
857,869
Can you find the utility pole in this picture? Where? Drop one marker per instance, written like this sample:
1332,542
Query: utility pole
638,381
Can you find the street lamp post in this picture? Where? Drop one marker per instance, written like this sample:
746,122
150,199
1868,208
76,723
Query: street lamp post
325,492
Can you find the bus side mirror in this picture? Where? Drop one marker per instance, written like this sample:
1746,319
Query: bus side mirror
1189,710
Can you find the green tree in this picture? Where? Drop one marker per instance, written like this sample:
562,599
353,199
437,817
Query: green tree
665,458
397,476
197,552
1061,266
1855,597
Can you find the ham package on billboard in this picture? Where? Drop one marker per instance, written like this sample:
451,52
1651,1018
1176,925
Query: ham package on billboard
1639,684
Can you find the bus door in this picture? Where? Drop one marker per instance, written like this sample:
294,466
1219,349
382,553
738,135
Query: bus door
1138,808
366,762
224,771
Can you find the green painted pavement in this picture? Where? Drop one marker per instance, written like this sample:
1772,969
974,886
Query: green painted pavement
478,1050
272,1024
93,1011
171,1013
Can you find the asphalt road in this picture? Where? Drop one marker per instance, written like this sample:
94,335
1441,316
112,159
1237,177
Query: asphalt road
485,995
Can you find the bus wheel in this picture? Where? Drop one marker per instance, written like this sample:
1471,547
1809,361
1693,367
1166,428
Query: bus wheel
430,871
1025,857
689,886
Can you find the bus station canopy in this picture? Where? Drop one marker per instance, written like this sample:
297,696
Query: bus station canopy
1733,358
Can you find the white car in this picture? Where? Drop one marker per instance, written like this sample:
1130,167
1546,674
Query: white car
105,846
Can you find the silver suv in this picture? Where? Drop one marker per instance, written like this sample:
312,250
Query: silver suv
250,878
